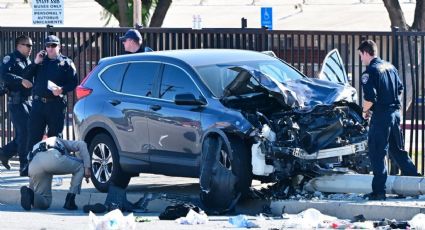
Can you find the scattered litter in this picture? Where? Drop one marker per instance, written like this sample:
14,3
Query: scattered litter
421,197
349,196
362,225
193,217
264,217
173,212
390,224
141,219
112,220
241,221
308,219
359,218
418,222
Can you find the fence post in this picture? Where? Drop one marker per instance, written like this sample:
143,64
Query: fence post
48,30
394,30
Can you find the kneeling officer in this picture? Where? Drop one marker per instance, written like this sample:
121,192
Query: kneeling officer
52,157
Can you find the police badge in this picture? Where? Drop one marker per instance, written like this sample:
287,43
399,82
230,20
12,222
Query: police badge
365,78
6,59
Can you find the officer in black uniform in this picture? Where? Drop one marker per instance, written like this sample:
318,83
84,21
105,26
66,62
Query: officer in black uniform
133,42
54,75
382,89
18,98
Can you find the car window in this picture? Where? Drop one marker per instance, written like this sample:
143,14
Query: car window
176,81
274,72
113,76
218,76
139,77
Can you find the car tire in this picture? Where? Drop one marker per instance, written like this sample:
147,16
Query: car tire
105,164
226,172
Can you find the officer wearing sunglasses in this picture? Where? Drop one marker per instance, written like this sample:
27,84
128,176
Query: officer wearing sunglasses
18,98
53,75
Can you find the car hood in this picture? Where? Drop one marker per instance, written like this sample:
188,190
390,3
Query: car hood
302,93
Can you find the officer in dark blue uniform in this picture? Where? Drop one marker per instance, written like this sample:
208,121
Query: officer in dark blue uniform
133,42
382,88
54,75
18,98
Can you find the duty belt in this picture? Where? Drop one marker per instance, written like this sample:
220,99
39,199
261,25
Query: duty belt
43,147
46,99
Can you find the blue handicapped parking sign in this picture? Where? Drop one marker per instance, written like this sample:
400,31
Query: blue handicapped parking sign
267,17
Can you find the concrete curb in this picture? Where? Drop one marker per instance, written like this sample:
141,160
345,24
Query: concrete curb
371,210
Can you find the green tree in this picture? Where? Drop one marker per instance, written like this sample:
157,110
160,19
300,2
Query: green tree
122,10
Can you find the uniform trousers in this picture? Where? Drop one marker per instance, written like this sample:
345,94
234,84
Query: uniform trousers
385,137
46,164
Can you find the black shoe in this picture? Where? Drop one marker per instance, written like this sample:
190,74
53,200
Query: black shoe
70,202
27,198
375,196
95,208
4,159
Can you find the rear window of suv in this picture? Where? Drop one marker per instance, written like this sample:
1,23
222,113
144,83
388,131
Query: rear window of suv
139,77
112,76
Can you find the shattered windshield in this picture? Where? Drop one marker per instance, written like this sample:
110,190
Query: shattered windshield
218,76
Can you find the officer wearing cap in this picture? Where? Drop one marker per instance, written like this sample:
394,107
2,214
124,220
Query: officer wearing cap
49,157
133,42
382,89
54,75
18,98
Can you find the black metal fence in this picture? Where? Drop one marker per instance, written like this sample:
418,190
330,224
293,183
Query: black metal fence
303,49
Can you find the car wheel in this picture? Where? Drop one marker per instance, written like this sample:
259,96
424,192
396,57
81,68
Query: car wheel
105,164
225,172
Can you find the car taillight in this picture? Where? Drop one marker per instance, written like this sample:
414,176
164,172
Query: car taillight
82,92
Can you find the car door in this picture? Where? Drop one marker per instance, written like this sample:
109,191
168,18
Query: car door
174,130
136,90
333,68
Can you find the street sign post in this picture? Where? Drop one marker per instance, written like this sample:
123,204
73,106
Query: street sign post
47,12
267,17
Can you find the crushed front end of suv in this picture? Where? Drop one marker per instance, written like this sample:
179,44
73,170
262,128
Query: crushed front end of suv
225,116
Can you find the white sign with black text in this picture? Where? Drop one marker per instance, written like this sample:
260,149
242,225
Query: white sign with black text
47,12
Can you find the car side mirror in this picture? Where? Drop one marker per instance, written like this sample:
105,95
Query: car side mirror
188,99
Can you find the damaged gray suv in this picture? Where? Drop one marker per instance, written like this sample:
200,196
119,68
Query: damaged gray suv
223,116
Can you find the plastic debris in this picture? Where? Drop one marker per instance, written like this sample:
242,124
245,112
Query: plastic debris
418,222
193,217
362,225
308,219
241,221
113,220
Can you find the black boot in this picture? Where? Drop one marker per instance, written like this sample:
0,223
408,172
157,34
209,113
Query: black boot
27,198
4,159
70,202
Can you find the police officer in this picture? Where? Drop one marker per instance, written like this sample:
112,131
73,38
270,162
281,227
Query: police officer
54,75
133,42
382,89
52,157
19,104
